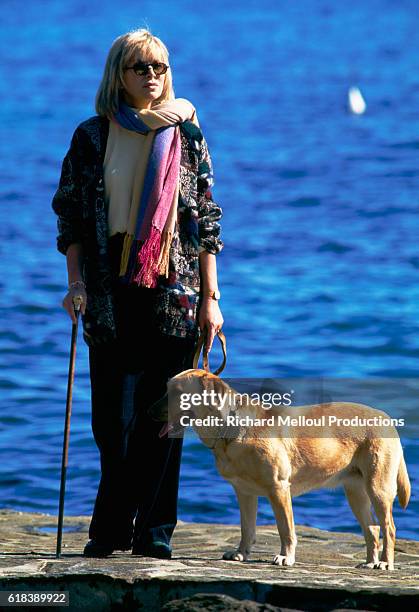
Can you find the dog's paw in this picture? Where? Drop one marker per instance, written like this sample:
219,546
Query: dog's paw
364,565
234,555
284,561
384,565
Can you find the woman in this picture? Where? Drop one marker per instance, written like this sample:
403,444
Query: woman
140,232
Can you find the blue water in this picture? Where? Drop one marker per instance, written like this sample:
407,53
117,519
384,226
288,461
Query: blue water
319,275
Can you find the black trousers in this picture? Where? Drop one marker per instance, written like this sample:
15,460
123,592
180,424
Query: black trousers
138,490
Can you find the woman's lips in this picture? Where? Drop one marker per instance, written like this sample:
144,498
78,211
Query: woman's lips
151,85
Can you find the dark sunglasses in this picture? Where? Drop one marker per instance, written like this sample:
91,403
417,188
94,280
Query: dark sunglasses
140,68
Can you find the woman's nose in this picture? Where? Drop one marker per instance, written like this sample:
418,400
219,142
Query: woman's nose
150,67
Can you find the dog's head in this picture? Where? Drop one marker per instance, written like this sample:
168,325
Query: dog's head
195,391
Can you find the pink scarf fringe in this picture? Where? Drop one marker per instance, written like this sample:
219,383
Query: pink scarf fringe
147,259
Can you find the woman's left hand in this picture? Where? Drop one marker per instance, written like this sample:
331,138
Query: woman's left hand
211,319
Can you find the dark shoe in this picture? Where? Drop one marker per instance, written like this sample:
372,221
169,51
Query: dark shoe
94,548
158,550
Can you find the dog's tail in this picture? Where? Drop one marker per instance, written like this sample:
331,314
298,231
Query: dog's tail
403,484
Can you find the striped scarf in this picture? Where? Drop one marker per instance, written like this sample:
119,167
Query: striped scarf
151,222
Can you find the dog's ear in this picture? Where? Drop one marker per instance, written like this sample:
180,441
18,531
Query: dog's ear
158,411
212,383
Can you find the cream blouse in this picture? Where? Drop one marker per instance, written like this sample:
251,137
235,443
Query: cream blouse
122,185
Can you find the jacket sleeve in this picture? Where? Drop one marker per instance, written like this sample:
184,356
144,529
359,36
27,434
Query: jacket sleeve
67,202
209,213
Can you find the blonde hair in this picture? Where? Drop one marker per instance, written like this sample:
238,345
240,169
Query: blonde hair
120,55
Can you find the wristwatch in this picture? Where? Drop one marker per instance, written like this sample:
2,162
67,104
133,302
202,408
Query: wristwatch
214,295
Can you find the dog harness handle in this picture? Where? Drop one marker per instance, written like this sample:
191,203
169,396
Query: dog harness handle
205,363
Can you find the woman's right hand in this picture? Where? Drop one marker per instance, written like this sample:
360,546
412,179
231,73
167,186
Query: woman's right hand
76,290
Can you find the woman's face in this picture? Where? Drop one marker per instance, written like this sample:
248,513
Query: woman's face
140,91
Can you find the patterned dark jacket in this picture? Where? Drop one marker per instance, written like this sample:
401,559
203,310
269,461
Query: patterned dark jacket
82,217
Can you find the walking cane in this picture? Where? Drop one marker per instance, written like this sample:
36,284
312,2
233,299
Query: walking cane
77,301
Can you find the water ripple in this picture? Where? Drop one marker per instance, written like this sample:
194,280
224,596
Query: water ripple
319,271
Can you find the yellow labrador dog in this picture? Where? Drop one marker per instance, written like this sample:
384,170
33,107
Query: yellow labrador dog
280,461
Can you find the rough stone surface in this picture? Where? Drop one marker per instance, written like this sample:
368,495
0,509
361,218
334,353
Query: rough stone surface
223,603
219,603
323,578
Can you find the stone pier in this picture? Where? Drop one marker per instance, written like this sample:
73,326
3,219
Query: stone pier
196,578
